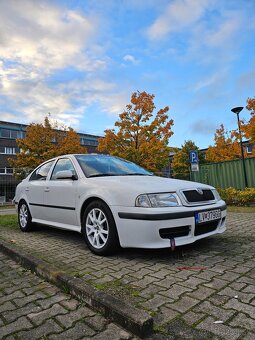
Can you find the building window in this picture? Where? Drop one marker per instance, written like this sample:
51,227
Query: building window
88,142
6,171
8,150
11,134
248,149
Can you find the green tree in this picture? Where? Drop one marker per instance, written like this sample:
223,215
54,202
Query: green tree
181,163
141,136
41,143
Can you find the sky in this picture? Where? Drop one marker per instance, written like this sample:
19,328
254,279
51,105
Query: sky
81,60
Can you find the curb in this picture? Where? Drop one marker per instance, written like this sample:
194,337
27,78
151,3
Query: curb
133,319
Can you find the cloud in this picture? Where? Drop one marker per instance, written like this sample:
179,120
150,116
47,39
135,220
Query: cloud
130,58
38,40
178,15
203,127
44,37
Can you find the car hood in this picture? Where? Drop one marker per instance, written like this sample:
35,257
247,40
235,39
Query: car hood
147,184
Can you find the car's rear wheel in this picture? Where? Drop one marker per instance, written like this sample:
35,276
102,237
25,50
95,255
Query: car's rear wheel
99,229
24,217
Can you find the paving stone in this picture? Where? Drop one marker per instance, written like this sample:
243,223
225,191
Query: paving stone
175,291
243,321
227,259
192,318
241,307
6,306
201,293
113,332
40,332
80,330
49,301
210,309
155,302
242,296
249,336
164,315
10,316
183,304
68,319
45,314
216,283
221,330
21,323
71,304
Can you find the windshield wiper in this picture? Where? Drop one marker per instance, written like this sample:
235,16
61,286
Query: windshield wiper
102,175
136,174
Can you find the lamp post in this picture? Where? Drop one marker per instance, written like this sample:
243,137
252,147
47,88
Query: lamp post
237,110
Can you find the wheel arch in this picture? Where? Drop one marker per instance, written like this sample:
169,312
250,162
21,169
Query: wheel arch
88,201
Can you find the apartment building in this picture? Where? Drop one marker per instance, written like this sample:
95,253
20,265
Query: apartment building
9,132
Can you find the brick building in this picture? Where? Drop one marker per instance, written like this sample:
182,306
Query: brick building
9,132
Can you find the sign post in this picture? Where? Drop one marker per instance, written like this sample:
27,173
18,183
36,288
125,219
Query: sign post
193,158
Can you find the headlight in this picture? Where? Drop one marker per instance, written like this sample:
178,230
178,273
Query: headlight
216,195
157,200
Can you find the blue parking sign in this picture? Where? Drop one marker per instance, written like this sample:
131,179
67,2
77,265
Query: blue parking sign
193,157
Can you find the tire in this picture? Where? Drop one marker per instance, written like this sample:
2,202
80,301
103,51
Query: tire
99,229
24,217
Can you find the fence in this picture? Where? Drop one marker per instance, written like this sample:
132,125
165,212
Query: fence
226,174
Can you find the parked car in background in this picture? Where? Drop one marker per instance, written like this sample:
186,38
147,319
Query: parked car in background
115,203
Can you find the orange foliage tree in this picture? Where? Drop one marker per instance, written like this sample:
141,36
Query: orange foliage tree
42,142
227,146
250,127
142,137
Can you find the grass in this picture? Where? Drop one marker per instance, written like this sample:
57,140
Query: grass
9,221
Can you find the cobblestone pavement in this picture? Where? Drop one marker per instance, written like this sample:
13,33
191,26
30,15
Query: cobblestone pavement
205,290
31,308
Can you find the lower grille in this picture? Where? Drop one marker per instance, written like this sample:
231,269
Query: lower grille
205,228
174,232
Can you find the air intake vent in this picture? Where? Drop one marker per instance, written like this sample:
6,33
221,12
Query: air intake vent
195,196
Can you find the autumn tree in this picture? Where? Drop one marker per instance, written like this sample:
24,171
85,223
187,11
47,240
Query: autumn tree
250,127
226,147
141,136
41,143
181,163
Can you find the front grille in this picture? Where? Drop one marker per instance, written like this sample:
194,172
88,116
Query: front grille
174,232
193,196
205,228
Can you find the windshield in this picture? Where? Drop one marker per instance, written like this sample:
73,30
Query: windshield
103,165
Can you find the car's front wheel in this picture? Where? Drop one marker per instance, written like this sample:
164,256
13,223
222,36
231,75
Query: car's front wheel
99,229
24,217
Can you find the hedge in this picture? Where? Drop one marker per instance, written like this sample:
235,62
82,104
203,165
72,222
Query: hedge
234,196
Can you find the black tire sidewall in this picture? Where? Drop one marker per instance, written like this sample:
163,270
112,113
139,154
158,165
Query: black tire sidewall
112,243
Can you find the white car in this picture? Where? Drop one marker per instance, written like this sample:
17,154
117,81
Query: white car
115,203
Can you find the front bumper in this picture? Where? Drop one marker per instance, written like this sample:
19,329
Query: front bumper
154,227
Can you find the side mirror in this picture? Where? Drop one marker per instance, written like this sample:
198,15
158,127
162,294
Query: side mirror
66,174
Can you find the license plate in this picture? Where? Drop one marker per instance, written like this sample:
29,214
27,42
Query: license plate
207,216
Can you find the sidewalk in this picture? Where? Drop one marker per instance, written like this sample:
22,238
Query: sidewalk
205,290
31,308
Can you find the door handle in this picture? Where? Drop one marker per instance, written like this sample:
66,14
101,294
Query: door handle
27,189
47,189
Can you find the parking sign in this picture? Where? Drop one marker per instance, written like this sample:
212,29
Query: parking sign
193,157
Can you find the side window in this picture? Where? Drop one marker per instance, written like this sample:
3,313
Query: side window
41,173
62,164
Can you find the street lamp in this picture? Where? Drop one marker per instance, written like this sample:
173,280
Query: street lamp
237,110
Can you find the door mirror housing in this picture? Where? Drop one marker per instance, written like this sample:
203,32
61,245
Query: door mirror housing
66,174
